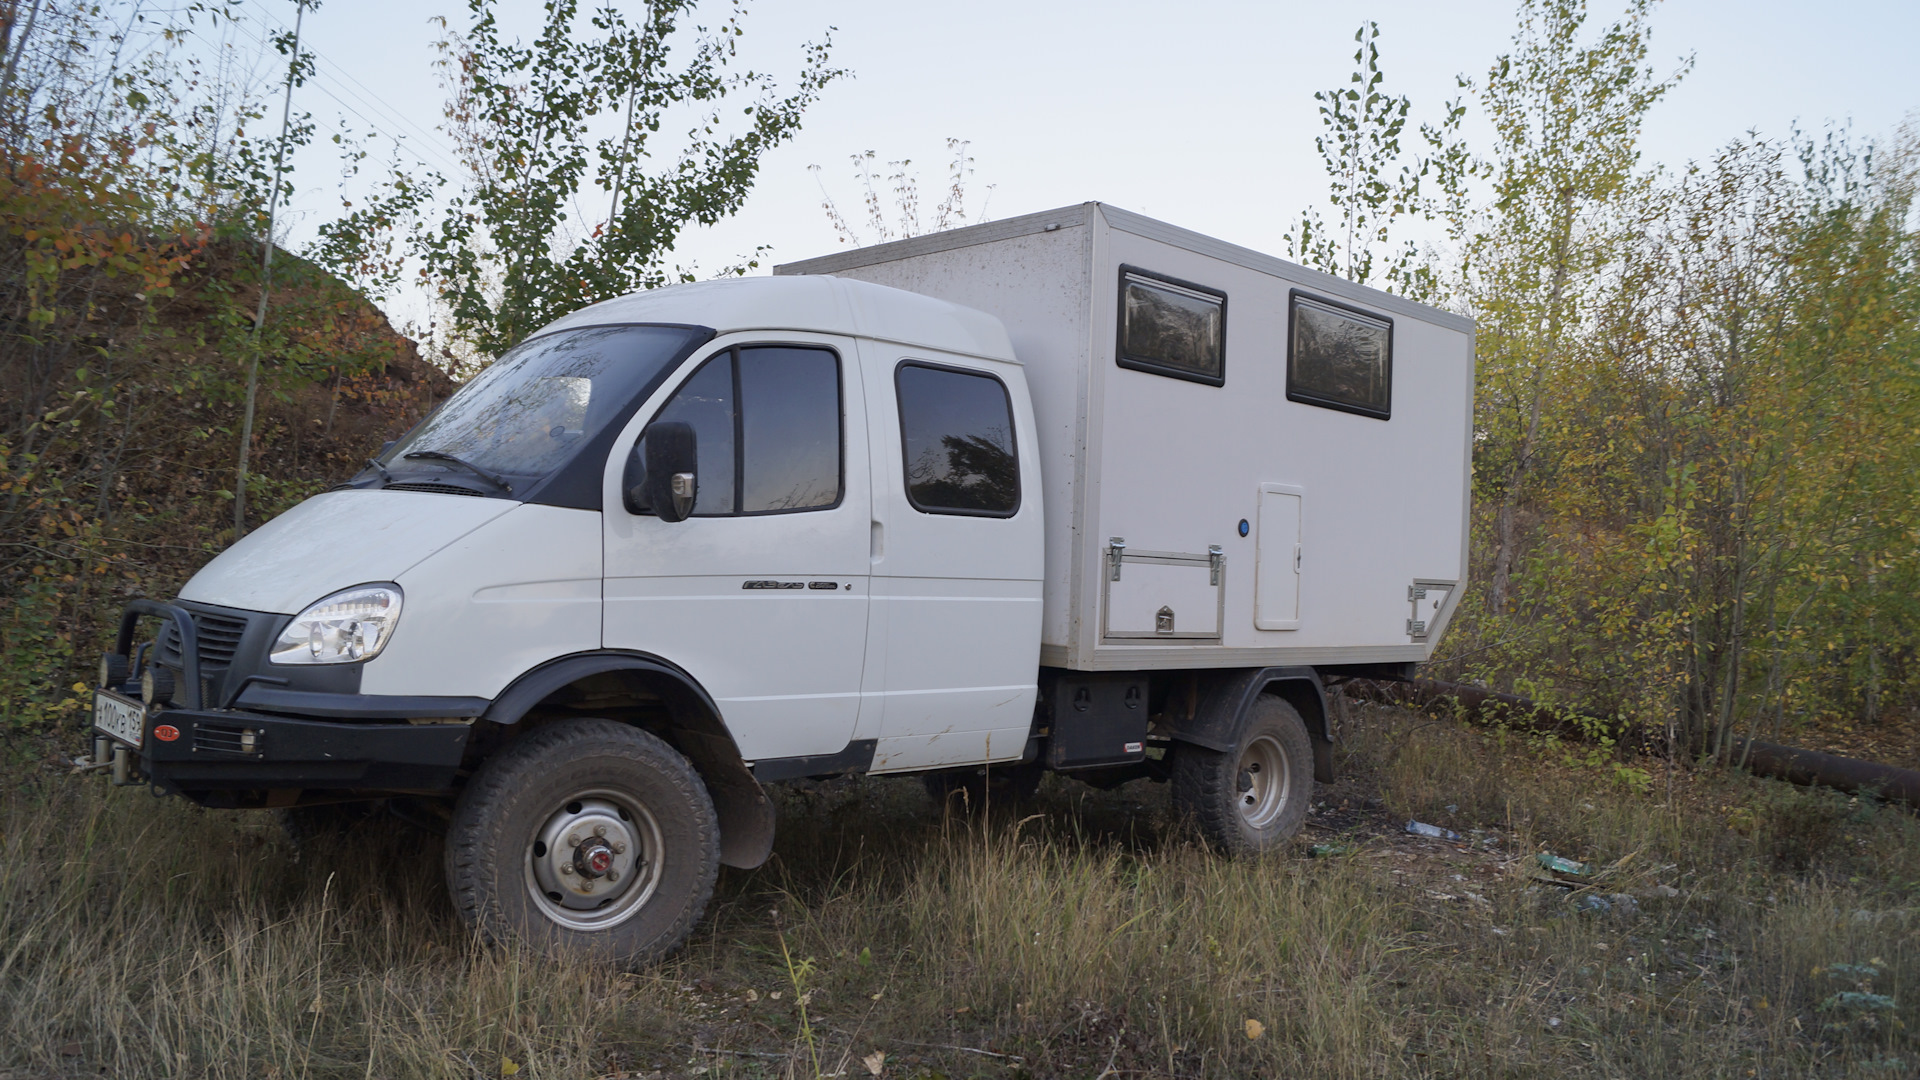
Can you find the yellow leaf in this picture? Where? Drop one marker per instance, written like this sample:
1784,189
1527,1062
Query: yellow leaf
875,1062
508,1066
1255,1029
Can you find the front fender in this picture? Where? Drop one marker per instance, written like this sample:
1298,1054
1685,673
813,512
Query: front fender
697,730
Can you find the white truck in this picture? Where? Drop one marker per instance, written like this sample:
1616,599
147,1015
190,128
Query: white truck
1076,491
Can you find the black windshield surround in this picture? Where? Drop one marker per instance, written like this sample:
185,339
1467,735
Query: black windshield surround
575,479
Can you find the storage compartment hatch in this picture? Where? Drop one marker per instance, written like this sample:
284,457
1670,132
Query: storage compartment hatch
1276,595
1161,595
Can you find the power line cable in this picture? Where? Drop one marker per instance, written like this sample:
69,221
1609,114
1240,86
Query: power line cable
377,102
390,117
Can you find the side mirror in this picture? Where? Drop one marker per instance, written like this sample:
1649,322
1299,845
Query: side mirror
672,454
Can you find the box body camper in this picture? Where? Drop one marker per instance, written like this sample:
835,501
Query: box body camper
1077,491
1331,419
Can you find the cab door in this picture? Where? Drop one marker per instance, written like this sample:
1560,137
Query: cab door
762,594
957,559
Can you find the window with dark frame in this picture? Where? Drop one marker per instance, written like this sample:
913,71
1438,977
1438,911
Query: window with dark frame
956,434
1339,357
1172,327
767,423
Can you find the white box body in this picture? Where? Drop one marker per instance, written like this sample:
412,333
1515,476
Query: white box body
1356,537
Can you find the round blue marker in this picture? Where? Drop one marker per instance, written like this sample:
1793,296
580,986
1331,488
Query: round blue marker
1244,529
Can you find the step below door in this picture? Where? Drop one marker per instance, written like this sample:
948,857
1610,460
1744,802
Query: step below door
1161,595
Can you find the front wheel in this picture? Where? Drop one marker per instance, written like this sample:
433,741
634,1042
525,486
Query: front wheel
587,837
1253,798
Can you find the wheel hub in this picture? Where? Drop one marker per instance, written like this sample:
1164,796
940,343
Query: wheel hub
1262,781
594,861
594,858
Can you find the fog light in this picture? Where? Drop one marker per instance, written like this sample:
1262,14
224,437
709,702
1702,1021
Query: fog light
156,685
113,671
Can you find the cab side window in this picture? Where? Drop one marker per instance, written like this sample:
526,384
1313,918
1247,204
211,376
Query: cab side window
768,424
956,428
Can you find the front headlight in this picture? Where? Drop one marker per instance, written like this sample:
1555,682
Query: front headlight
349,626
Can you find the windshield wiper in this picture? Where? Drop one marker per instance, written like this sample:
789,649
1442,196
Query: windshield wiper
385,476
491,478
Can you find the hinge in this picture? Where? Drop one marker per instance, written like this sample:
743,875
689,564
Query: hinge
1416,628
1416,592
1116,549
1216,562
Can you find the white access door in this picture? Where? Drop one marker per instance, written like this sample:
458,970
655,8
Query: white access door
954,649
762,594
1276,598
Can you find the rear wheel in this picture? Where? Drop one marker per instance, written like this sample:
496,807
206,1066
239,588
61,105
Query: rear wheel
1253,798
588,837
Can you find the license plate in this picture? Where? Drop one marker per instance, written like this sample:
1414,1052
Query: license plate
124,720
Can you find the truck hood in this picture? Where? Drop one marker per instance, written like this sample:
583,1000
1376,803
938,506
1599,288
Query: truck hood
334,541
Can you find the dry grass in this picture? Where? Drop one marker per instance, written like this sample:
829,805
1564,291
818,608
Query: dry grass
143,938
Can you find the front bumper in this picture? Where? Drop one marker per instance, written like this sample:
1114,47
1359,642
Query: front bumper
242,736
234,750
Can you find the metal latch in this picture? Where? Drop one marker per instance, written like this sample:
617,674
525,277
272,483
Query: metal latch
1216,561
1416,592
1116,549
1416,628
1163,621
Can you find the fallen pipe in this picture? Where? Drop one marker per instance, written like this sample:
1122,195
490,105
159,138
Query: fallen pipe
1809,767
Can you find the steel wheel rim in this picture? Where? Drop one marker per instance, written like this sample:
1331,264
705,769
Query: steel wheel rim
1262,779
571,885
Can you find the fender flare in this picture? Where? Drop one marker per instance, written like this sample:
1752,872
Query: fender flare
740,804
1215,724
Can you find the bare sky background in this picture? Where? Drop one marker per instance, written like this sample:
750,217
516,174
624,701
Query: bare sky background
1200,113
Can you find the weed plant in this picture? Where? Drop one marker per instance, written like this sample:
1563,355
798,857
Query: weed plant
1770,933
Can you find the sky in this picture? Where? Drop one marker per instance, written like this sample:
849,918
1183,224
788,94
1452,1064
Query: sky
1199,113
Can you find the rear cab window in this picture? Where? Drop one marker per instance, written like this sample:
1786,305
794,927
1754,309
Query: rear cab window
956,433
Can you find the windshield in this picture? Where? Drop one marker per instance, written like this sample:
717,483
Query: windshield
527,414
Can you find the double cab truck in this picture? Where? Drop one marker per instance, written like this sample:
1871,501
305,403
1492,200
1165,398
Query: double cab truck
1077,491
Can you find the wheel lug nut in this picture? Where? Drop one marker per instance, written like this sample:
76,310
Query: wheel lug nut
619,848
586,885
566,868
599,830
613,875
573,840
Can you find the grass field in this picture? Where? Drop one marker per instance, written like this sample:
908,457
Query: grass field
1766,931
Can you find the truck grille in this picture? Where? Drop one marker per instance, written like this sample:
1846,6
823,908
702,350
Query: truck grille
219,638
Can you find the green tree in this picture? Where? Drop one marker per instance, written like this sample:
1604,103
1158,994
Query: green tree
1372,184
1566,119
519,245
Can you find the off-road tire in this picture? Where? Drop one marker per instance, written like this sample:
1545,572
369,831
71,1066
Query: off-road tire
498,821
1207,784
974,790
